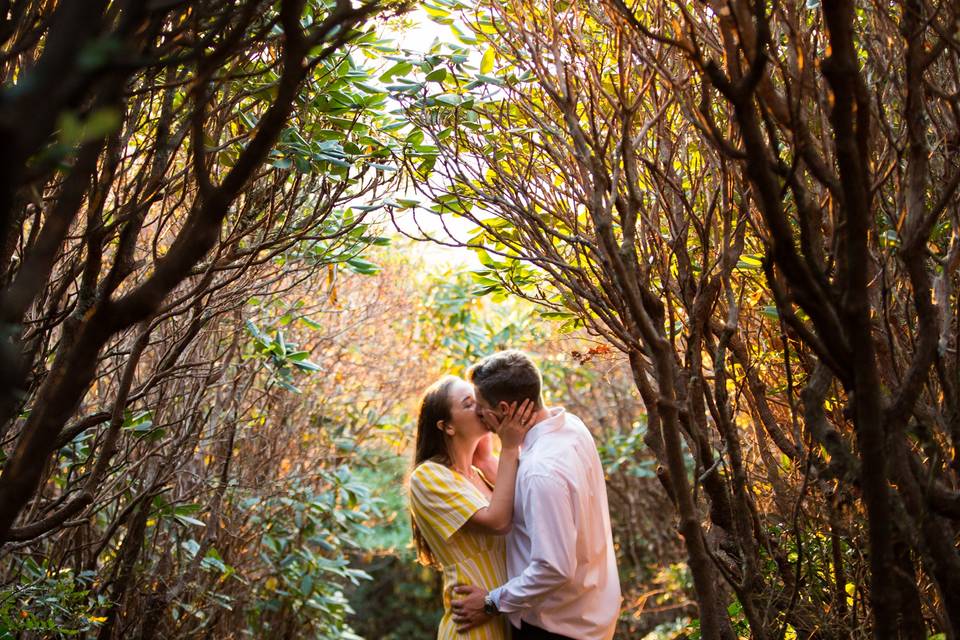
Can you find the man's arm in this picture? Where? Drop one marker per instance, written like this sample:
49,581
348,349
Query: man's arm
553,532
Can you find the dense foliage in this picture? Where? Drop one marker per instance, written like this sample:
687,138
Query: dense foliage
757,205
181,184
728,232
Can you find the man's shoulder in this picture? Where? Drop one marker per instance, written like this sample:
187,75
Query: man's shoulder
557,456
575,429
575,421
557,461
545,462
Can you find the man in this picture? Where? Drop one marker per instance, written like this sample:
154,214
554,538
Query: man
560,558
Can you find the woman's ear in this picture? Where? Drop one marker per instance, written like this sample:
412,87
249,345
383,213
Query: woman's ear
446,428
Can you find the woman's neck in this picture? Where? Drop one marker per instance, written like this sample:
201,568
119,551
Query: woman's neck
461,454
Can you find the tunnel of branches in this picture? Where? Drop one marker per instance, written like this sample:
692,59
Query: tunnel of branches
238,238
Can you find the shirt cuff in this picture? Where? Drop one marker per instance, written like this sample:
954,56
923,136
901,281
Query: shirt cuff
495,596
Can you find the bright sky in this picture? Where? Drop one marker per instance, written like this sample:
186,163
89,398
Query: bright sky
418,36
420,32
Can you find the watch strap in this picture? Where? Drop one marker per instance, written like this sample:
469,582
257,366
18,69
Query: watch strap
489,606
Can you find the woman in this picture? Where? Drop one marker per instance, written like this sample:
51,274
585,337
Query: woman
461,496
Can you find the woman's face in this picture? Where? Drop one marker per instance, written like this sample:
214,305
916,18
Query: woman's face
463,411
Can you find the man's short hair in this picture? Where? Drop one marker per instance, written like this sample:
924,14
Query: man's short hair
509,376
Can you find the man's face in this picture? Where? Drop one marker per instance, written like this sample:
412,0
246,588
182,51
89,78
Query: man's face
485,412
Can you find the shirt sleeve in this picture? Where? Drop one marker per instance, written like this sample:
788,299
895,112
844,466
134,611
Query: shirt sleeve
549,512
442,499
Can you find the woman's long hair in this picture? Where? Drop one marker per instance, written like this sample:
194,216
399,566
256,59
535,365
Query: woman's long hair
430,445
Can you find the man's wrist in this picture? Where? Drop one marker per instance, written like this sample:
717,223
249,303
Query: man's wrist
489,605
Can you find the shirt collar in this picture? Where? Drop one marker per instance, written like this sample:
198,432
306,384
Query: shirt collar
549,425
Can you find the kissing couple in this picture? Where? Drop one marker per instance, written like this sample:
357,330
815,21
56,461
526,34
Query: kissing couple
523,540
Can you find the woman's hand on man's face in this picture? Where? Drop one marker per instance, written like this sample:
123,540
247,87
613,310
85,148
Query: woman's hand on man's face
514,423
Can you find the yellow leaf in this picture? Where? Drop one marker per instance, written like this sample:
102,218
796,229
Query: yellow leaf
486,63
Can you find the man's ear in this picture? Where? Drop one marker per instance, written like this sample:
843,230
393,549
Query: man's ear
502,407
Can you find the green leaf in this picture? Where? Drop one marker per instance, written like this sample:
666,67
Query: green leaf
451,99
435,12
491,79
437,75
300,361
187,509
189,520
313,324
364,267
306,585
399,69
462,36
138,420
98,124
140,424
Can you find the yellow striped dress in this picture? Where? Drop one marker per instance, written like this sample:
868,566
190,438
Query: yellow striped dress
442,501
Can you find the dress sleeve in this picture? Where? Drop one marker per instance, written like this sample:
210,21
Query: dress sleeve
442,499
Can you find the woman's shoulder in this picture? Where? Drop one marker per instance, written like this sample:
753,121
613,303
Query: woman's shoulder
428,471
431,465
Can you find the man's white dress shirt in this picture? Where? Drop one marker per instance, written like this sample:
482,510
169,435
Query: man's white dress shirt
560,556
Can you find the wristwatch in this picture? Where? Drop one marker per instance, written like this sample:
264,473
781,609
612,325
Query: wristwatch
489,606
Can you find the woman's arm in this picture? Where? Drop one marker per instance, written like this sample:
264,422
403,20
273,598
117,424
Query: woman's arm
497,518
